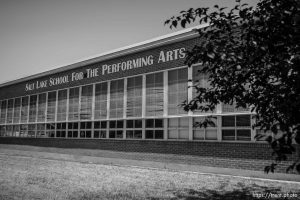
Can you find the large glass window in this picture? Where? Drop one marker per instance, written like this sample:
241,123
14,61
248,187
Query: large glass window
178,128
177,91
101,101
50,130
10,109
74,104
154,129
62,105
100,129
16,131
41,116
24,109
85,129
116,98
24,130
134,129
205,133
86,102
236,127
200,80
9,130
51,106
73,130
40,130
134,97
32,108
61,129
116,129
2,130
31,130
17,110
3,112
154,94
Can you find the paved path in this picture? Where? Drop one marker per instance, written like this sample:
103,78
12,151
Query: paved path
145,160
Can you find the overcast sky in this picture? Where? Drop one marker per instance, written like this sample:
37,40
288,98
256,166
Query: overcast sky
40,35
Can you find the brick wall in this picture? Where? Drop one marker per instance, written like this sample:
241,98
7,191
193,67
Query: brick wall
251,156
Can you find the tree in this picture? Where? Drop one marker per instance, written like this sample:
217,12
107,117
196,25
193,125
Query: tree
253,60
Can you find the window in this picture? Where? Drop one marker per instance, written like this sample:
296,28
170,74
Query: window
236,127
50,130
24,110
116,99
32,108
134,97
85,129
23,130
177,91
40,130
2,130
200,80
227,108
208,133
51,106
61,114
134,129
100,101
74,104
178,128
41,115
3,112
86,102
61,129
154,94
154,129
9,130
16,131
31,130
100,129
10,108
73,130
17,110
116,129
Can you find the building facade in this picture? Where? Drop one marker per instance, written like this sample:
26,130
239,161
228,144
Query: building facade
128,99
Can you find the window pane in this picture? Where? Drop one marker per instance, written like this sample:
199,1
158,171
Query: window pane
33,108
3,112
244,134
228,121
243,120
177,92
134,97
74,104
86,102
9,115
198,134
211,134
24,110
228,134
17,110
101,101
154,94
62,105
116,98
41,107
51,106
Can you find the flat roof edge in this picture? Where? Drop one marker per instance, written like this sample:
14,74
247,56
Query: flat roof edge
147,44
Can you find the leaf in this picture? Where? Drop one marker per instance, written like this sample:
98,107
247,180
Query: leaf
183,22
174,23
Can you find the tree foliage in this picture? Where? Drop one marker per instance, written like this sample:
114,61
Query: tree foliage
253,60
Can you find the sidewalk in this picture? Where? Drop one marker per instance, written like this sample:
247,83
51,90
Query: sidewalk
134,159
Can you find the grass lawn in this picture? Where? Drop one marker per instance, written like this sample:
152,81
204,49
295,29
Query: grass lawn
34,178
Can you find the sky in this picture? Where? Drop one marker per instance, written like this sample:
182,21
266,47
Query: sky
40,35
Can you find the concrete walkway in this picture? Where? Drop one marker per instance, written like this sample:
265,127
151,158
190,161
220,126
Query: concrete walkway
133,159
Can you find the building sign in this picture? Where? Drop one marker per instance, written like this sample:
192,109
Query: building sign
105,69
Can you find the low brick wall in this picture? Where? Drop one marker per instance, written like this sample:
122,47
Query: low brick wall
251,156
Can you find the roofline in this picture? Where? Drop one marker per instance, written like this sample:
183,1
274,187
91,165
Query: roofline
177,36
